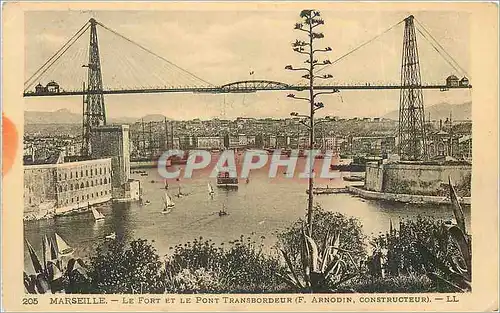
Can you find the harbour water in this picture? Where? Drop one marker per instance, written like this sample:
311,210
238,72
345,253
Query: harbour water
258,208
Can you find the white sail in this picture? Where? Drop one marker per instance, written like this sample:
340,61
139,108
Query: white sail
62,246
168,201
47,249
97,215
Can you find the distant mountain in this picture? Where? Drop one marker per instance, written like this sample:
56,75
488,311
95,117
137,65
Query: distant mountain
64,116
442,111
153,118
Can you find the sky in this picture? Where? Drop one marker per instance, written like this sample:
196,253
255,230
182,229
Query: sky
226,46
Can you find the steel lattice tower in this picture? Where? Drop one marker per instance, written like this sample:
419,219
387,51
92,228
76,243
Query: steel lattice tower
412,138
94,112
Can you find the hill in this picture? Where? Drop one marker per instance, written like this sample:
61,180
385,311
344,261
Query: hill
64,116
442,111
153,118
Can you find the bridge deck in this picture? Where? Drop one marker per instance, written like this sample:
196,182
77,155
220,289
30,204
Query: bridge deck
246,89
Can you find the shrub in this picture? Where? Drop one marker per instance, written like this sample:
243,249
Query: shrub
200,280
399,246
240,267
352,238
392,284
117,268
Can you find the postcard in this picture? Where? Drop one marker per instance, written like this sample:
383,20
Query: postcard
250,156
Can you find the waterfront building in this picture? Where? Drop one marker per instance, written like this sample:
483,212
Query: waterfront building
372,145
113,142
213,142
58,186
418,178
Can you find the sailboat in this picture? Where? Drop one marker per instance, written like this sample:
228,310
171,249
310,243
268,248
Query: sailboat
180,194
98,216
62,246
211,190
111,236
50,253
168,204
223,212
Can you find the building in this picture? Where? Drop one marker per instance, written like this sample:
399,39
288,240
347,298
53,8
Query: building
233,141
242,140
418,178
73,149
58,187
330,144
465,147
187,142
303,142
450,141
83,182
210,142
452,81
51,87
372,145
113,142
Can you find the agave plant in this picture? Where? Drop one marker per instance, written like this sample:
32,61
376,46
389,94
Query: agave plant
53,274
456,271
322,269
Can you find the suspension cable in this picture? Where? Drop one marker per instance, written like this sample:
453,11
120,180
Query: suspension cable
64,48
443,49
151,52
360,46
438,51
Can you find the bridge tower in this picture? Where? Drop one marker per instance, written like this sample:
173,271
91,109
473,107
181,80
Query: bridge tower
94,111
412,137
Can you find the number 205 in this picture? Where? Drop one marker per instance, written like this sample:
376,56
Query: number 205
28,301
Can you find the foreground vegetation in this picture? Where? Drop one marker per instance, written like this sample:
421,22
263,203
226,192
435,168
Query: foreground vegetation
421,255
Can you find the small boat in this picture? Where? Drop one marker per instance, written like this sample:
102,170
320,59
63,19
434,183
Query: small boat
62,246
211,190
223,212
144,174
98,216
353,178
167,202
180,194
147,202
152,182
111,236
